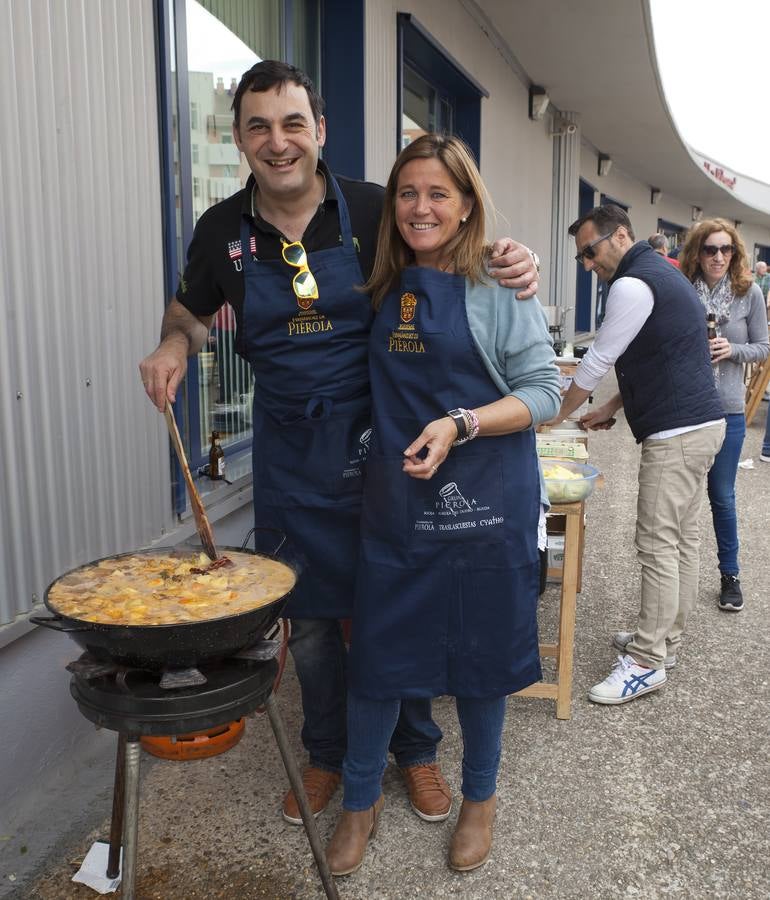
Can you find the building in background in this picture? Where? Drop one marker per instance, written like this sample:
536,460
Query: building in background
122,138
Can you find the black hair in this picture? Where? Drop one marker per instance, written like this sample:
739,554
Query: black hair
272,73
606,219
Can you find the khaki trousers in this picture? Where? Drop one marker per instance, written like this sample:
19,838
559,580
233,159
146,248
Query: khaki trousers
672,475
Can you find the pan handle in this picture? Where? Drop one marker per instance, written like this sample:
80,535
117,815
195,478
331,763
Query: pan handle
276,531
55,624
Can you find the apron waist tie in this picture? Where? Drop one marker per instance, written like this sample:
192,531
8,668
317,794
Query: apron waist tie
319,408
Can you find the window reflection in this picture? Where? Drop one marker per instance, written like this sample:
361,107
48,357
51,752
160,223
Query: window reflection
424,109
224,39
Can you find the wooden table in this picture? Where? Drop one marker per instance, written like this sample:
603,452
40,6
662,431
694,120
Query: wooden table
562,650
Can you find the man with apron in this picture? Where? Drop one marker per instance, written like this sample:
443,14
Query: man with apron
287,254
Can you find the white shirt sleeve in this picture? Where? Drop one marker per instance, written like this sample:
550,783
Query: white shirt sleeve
629,305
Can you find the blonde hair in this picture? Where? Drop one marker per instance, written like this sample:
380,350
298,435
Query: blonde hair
468,248
689,258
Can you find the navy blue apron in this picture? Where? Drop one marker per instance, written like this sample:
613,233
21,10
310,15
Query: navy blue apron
446,593
311,417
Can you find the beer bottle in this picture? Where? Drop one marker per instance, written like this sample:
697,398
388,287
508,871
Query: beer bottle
711,325
216,458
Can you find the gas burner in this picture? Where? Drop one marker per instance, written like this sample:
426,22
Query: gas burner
174,679
88,667
144,702
136,702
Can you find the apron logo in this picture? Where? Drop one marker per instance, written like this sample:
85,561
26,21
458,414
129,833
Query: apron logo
408,306
305,302
309,323
453,499
405,338
359,457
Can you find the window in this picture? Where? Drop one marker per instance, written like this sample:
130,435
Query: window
218,40
435,92
424,109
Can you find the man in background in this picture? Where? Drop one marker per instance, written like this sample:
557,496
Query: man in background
654,333
763,278
660,245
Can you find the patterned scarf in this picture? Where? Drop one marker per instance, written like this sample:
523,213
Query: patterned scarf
718,300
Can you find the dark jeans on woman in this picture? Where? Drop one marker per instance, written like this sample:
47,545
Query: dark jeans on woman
721,491
766,441
320,656
371,724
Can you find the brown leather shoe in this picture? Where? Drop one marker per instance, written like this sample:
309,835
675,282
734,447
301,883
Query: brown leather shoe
472,838
347,847
429,793
320,786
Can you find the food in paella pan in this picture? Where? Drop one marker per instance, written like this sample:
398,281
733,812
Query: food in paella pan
167,588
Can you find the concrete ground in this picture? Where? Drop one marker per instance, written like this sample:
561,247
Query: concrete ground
666,796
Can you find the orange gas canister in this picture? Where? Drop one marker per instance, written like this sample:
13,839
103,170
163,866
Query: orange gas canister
196,744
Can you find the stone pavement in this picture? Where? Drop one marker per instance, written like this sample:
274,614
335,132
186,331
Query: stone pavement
668,796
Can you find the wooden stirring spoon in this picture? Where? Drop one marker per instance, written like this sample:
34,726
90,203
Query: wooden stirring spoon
199,513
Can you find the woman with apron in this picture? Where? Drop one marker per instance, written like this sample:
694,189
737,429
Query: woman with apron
447,583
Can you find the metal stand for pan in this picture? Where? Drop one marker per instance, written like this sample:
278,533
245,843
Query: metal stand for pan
137,703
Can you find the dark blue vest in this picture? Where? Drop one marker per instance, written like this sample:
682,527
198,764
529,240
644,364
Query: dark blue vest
665,375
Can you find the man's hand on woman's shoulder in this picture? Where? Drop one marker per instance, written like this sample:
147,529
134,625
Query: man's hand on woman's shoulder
514,266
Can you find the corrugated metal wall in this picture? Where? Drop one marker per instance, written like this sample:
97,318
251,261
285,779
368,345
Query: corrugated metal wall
83,456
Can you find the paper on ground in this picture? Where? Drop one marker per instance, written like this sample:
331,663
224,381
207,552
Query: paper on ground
93,872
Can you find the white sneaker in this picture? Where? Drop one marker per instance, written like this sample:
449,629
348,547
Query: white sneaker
764,458
621,639
627,681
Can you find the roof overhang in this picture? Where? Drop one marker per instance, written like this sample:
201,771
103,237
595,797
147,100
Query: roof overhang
597,59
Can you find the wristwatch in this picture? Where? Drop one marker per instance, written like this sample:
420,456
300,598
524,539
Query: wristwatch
459,420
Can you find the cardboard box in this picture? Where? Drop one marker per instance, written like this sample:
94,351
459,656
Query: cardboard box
548,448
555,568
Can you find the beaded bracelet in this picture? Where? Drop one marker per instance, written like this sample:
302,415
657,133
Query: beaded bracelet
473,423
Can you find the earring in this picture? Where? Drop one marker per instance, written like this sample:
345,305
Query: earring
464,219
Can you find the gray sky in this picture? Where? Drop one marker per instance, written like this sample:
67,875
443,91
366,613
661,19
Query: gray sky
714,61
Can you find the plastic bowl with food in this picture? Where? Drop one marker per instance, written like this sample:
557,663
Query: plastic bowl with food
567,481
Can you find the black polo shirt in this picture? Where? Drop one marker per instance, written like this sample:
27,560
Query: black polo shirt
214,273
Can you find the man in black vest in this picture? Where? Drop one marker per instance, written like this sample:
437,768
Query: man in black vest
654,332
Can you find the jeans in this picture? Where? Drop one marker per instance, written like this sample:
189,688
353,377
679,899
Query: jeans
320,657
766,441
721,492
371,724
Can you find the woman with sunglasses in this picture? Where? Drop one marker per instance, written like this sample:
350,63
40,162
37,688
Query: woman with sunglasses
714,259
448,575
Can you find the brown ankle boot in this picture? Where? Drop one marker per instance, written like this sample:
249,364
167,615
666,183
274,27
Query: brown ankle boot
472,838
347,847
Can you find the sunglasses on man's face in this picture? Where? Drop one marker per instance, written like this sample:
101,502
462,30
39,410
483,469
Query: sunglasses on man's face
304,283
588,251
713,249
